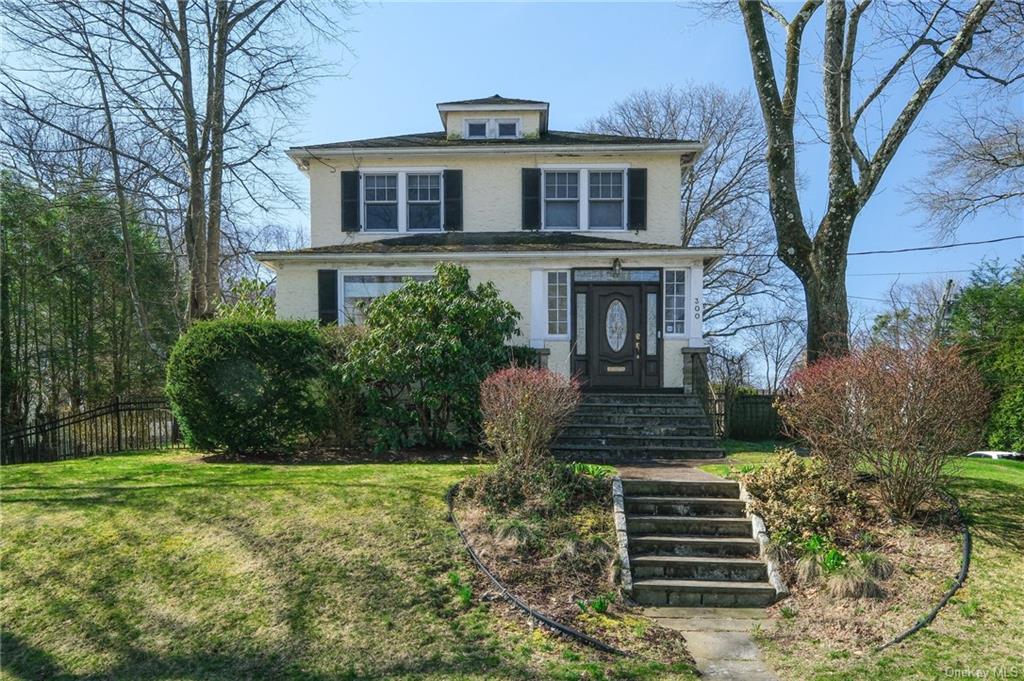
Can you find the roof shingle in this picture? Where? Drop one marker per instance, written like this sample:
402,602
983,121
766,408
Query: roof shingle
440,140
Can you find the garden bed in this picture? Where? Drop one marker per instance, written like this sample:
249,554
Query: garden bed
565,566
923,556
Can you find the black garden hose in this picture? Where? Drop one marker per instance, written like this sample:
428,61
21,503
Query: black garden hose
965,564
540,617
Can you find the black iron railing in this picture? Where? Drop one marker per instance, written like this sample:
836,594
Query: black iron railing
121,425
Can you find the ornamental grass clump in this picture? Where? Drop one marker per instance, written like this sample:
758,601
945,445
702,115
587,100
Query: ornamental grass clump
905,413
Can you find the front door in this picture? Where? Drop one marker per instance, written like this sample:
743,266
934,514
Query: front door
616,343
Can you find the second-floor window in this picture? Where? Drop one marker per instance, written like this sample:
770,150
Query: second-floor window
381,202
403,200
584,198
562,199
606,199
424,208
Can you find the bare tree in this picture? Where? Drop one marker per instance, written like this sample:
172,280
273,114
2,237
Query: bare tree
722,194
778,346
915,315
209,85
932,40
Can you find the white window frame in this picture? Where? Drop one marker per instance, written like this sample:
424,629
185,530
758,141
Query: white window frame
685,272
539,307
491,127
394,272
403,197
584,194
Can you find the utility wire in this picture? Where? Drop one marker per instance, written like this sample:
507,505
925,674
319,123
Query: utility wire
894,250
892,274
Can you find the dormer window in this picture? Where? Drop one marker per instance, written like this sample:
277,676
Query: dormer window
476,129
493,128
508,129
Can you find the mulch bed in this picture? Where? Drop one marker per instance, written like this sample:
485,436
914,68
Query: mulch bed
926,556
554,583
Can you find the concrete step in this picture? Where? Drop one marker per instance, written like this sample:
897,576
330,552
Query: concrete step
674,545
687,592
713,568
685,506
701,526
606,454
720,489
594,428
638,442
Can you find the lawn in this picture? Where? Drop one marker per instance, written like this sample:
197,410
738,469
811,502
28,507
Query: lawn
166,566
979,634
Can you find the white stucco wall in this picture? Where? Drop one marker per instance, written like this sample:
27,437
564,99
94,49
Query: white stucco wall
492,190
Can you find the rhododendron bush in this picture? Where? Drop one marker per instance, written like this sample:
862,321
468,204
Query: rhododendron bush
905,413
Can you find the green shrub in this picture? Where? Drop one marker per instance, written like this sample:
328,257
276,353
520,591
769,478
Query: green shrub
1006,424
248,386
425,351
798,499
342,397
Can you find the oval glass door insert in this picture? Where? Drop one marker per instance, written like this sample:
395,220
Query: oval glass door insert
615,325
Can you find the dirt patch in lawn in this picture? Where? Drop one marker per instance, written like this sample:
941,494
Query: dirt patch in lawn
924,557
567,568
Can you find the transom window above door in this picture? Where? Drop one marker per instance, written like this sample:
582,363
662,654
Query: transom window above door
603,207
403,200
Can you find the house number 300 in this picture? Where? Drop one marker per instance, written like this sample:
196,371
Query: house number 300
696,308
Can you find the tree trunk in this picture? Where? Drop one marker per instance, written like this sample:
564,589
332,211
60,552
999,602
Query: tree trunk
828,319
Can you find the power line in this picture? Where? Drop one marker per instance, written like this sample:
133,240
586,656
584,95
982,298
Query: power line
894,250
892,274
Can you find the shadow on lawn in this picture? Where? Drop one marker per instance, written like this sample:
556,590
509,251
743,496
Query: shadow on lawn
328,457
993,511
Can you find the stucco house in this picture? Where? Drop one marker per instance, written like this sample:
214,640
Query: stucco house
581,232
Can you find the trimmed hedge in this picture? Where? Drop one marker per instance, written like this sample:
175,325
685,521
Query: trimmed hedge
249,386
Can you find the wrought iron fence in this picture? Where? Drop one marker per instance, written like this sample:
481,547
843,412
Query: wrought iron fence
121,425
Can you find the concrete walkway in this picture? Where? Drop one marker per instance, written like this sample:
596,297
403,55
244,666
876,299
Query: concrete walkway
718,638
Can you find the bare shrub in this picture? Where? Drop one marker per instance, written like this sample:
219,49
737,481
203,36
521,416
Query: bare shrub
904,412
523,410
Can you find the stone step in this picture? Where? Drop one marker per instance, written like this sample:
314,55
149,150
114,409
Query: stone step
671,429
702,526
674,545
638,442
605,454
719,489
685,506
695,593
640,398
600,411
639,420
698,568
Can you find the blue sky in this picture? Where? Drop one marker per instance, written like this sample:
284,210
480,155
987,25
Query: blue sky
581,57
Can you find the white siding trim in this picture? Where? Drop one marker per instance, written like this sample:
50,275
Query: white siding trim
695,309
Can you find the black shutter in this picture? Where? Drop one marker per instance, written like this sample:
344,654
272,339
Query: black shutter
327,296
350,201
531,198
453,200
636,209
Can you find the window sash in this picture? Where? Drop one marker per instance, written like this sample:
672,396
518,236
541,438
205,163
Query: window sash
423,199
558,303
470,125
380,198
675,302
359,290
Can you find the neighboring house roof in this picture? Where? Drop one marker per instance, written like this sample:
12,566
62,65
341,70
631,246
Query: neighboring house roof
493,99
469,242
440,140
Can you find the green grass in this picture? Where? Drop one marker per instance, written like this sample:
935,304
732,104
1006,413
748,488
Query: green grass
978,634
163,566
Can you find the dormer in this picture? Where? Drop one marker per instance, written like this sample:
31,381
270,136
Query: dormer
494,118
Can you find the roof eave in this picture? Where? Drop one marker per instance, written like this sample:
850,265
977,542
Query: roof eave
297,153
706,255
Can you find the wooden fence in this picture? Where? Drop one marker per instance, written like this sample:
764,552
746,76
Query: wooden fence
121,425
746,417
